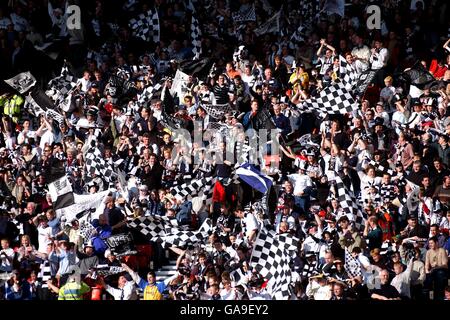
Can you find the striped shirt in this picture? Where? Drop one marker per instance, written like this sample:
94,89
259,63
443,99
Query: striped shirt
73,291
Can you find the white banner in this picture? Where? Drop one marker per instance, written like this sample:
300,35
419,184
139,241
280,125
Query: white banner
22,82
179,81
82,203
59,187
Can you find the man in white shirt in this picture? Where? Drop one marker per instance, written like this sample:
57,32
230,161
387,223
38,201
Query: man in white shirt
125,290
360,53
249,224
402,279
85,81
6,256
44,232
302,187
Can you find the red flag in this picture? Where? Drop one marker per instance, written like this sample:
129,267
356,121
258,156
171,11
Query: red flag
219,193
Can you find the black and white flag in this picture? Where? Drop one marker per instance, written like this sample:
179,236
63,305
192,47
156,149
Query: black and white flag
193,188
22,82
183,238
61,193
352,265
146,26
196,37
148,94
270,26
271,259
61,86
217,111
363,81
153,227
243,16
334,99
121,245
348,202
347,73
300,34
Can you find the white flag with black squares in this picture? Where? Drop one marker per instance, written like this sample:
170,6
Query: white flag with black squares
148,93
61,86
245,15
271,258
348,202
146,26
154,227
352,265
196,37
334,99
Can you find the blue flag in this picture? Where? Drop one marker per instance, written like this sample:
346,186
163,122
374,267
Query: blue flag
253,177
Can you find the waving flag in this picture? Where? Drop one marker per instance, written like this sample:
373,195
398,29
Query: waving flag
22,82
254,178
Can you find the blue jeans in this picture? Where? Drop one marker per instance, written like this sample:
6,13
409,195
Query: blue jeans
302,203
436,281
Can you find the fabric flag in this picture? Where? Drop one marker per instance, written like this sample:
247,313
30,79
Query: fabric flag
271,259
146,26
22,82
153,227
121,245
334,99
61,86
217,111
363,81
418,76
192,188
270,26
196,37
198,68
352,265
33,107
347,73
105,270
334,7
380,168
181,238
300,34
178,83
61,192
82,203
349,203
254,178
148,93
87,230
243,16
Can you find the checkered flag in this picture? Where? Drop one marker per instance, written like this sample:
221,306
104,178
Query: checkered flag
271,259
183,238
96,165
334,99
310,269
196,37
243,16
352,265
60,87
87,230
154,227
148,94
193,188
349,204
146,26
347,73
380,168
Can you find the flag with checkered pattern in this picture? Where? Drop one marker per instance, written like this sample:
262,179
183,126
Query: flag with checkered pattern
146,26
244,15
352,265
271,256
348,202
183,238
347,73
196,37
154,227
334,99
148,93
194,188
61,86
